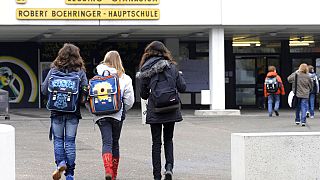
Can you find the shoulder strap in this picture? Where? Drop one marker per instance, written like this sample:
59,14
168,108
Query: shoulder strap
169,76
295,84
155,79
105,71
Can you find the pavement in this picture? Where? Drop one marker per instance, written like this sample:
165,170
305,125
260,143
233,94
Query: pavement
201,144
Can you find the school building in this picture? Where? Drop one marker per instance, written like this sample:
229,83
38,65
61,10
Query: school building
223,46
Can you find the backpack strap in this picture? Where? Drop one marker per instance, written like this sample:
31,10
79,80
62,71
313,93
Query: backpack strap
168,76
156,79
105,71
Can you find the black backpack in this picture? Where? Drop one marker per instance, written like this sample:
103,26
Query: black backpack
164,93
272,85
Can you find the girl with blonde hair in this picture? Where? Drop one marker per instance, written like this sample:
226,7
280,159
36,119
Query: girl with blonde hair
110,125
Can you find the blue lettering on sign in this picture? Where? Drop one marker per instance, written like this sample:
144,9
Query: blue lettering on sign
64,84
61,101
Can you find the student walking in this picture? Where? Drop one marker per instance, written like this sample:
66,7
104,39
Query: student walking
304,86
110,125
273,87
160,82
314,91
63,85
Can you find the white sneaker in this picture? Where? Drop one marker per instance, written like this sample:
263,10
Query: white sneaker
311,117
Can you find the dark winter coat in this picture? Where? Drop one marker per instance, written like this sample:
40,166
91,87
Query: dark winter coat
152,66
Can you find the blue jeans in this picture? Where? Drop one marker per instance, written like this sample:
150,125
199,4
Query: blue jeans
273,98
302,107
110,132
311,104
64,129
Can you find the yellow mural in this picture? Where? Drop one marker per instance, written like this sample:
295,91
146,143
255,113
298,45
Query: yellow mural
10,79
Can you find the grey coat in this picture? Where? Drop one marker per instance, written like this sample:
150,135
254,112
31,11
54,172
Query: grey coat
304,84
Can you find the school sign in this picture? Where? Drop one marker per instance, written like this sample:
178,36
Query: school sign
91,13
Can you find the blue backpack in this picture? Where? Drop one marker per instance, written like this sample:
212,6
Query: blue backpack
105,94
63,91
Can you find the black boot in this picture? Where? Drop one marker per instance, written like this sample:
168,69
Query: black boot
168,173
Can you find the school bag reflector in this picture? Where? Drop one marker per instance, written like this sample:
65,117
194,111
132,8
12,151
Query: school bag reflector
272,84
63,91
104,94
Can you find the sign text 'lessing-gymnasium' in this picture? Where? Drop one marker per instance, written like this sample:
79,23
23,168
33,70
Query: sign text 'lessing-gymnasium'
151,2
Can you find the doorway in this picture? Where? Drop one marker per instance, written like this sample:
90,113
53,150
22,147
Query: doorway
250,74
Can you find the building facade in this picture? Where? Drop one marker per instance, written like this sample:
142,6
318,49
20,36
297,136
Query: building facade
223,46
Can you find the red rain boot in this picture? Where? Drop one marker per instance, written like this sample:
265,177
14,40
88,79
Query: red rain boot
107,162
115,163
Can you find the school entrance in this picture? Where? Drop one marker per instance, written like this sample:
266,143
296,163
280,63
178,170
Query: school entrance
250,72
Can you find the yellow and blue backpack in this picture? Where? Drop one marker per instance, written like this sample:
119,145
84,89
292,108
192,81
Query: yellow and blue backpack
105,94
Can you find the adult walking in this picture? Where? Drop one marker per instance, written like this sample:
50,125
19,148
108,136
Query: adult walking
304,86
273,88
64,123
110,125
158,71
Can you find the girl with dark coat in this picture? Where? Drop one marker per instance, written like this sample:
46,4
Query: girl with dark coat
156,59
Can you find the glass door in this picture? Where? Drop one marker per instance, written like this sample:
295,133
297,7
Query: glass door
250,75
245,81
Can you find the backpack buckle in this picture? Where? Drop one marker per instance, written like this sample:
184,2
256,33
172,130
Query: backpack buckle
54,97
69,96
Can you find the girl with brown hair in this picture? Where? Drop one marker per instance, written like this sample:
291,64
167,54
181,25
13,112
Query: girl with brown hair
156,62
64,124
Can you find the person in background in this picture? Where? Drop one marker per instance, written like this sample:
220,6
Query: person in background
156,59
64,125
259,90
273,95
110,125
314,91
304,87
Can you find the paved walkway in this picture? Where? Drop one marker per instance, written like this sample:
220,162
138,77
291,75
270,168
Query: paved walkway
202,144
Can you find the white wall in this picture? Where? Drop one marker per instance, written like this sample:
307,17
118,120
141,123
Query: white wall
172,12
275,155
199,12
270,12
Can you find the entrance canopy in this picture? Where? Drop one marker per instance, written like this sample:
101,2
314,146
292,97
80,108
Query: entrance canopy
54,33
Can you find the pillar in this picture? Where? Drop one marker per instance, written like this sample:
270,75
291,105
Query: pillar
216,69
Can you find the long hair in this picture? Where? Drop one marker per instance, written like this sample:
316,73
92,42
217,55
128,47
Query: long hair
69,59
113,59
304,68
156,48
